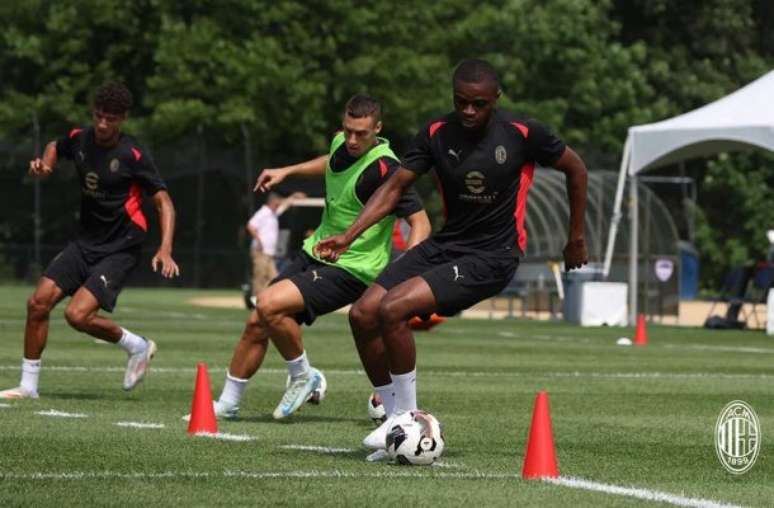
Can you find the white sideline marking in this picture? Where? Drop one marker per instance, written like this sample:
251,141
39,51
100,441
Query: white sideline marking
60,414
729,349
447,464
438,373
140,425
226,437
576,483
639,493
2,404
321,449
406,473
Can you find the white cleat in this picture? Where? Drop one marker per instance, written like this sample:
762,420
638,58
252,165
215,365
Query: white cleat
297,392
18,393
377,439
378,456
223,411
137,365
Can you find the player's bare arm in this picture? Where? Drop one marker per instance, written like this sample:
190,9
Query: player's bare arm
381,203
420,228
43,166
574,169
269,178
166,212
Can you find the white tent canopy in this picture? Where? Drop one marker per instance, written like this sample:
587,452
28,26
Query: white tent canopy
741,120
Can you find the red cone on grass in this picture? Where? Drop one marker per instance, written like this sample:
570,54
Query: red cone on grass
202,414
417,323
641,334
540,457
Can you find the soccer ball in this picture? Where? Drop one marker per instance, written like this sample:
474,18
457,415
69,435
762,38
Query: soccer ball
416,438
376,409
318,395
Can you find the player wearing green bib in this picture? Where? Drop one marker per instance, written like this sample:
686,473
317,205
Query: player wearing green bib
357,164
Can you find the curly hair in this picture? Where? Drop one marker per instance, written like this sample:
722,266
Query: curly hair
113,97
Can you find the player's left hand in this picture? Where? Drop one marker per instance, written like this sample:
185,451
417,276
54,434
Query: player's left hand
575,254
169,268
331,248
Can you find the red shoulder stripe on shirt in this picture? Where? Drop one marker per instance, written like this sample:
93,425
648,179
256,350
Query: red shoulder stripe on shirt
74,132
522,128
137,154
382,168
133,207
434,127
520,210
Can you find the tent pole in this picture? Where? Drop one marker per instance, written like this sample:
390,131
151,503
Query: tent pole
633,248
616,209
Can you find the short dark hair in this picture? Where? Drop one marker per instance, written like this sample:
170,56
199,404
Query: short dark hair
475,70
113,97
360,106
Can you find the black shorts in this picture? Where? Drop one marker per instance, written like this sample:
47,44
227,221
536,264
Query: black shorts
104,277
325,288
458,279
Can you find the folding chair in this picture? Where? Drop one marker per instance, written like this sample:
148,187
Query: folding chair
732,293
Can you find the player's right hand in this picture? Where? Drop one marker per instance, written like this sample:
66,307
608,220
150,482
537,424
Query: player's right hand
268,179
39,168
331,248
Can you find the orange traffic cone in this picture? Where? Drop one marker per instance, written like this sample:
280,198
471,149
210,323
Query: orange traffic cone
202,414
641,335
540,458
417,323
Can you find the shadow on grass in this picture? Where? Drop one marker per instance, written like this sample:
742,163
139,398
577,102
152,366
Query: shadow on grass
296,419
86,396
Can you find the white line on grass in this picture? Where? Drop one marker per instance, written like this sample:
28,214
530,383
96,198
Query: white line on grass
225,437
60,414
140,425
442,373
4,405
639,493
725,349
413,473
406,473
320,449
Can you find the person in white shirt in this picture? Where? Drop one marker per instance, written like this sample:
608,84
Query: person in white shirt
263,227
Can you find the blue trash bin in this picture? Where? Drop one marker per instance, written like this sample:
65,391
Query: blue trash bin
689,273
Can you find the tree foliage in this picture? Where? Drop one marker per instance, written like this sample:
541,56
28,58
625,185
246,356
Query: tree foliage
278,72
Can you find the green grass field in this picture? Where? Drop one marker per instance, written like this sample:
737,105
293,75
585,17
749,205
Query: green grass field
631,417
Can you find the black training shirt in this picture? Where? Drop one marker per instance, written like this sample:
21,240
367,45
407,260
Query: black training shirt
112,183
484,180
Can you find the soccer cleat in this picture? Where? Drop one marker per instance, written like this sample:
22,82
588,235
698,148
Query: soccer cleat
297,392
18,393
223,411
137,365
380,455
377,439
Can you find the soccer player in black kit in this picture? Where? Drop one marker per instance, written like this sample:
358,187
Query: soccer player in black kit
113,172
484,159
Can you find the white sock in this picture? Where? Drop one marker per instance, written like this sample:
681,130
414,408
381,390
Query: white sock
298,366
132,343
405,391
30,374
232,390
387,393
